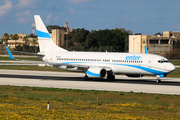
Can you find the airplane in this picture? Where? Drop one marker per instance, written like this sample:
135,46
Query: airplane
98,64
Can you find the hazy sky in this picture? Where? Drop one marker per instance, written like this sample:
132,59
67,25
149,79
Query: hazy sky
139,16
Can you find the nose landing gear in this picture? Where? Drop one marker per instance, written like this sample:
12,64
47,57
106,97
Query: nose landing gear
158,80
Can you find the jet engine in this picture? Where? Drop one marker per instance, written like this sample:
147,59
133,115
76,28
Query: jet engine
96,72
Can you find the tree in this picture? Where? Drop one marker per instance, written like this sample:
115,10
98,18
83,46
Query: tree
110,40
77,37
6,38
101,40
50,27
91,41
26,48
1,41
32,36
138,34
34,42
14,36
158,33
26,40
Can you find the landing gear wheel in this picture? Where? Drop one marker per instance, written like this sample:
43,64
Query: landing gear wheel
113,77
86,77
110,77
158,80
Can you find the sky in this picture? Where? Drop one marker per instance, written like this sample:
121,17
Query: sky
140,16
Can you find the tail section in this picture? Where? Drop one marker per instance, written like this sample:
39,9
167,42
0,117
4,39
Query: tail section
44,39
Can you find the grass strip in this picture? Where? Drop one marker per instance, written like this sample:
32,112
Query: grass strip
31,103
174,74
175,62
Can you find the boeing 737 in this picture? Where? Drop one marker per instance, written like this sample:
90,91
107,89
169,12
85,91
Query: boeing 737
98,64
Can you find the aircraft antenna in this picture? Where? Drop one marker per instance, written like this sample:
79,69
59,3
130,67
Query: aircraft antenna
33,27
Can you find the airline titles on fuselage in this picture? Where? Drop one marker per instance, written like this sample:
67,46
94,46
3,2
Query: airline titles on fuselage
130,59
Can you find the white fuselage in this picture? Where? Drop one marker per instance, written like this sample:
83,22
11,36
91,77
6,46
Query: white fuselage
123,63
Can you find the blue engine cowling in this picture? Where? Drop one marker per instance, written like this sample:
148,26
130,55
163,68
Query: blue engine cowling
96,72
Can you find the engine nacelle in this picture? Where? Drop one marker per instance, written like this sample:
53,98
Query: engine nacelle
134,75
96,72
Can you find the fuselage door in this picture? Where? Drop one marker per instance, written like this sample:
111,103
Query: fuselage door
51,57
150,62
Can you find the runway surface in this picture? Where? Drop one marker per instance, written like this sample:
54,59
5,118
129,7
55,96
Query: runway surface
72,80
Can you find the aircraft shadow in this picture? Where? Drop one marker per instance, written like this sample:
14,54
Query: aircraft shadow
130,81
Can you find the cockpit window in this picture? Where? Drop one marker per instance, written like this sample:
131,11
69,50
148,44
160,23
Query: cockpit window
163,61
166,61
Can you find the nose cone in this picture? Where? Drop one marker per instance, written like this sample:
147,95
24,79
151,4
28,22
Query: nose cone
170,67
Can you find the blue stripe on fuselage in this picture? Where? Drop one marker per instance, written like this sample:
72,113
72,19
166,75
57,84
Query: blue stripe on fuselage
156,72
153,71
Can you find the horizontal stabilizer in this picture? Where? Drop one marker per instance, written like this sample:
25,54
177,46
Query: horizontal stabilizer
30,61
9,53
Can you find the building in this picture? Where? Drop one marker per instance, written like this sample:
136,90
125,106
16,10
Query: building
1,38
11,44
156,44
2,48
59,35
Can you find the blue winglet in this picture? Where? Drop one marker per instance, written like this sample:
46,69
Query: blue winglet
9,53
145,49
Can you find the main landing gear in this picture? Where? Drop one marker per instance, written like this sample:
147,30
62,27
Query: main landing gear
111,77
87,78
